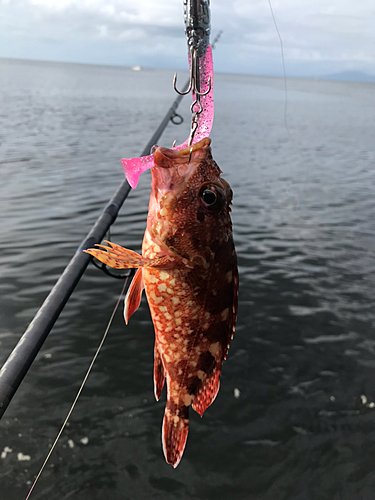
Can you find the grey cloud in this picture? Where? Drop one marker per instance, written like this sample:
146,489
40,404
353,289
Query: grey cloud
115,31
318,36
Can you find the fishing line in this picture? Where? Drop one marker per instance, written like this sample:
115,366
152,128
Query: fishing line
284,70
79,390
286,95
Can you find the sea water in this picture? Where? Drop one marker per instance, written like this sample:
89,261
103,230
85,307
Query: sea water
295,415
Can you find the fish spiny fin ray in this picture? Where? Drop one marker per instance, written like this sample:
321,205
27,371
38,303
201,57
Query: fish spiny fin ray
134,295
116,256
122,258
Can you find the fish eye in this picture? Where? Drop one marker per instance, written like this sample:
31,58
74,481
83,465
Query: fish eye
211,197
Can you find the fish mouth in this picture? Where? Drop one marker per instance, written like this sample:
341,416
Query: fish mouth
172,166
164,156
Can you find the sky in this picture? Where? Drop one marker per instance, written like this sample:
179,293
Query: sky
319,37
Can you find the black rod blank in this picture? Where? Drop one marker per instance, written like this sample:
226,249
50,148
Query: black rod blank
23,355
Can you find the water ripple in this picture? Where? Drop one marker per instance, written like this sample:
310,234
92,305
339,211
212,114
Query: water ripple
303,354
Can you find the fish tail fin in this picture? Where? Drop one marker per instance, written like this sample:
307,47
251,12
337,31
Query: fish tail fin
159,375
175,432
207,394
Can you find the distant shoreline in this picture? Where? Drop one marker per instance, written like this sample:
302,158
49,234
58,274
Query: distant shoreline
345,76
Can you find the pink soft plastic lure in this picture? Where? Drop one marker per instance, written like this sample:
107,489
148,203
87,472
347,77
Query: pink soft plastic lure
134,167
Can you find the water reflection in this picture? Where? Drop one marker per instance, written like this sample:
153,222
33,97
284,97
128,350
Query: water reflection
294,416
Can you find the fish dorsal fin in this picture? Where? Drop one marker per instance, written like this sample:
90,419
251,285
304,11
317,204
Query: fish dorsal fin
208,392
134,295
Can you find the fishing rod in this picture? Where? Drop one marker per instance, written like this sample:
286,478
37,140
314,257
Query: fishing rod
197,22
23,355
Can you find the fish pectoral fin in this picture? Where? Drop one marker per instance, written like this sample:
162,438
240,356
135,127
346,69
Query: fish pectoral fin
175,431
116,256
208,392
159,375
122,258
134,295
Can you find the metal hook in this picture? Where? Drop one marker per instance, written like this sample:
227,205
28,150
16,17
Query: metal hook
194,79
205,92
193,129
176,89
191,152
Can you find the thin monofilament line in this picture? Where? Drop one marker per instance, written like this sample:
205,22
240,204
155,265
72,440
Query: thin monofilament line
284,72
285,89
79,390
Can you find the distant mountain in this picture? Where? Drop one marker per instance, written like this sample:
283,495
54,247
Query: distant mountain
351,76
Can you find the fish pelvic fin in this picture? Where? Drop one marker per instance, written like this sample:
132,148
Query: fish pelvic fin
175,432
121,258
159,375
134,295
208,392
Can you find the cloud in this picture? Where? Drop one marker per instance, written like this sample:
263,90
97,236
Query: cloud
125,12
314,34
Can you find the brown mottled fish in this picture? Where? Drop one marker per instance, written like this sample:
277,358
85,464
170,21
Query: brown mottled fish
188,268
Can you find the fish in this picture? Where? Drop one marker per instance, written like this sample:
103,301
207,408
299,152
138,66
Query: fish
188,269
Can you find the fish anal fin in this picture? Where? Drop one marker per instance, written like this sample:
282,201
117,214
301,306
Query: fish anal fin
134,295
175,432
208,392
159,375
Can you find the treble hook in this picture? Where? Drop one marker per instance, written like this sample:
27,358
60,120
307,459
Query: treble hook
207,91
176,89
193,78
